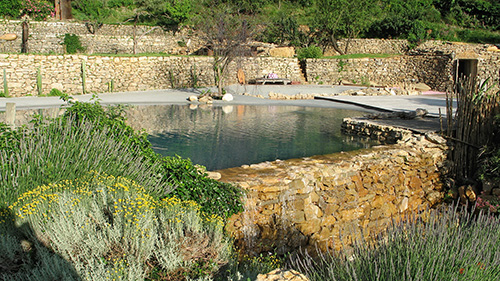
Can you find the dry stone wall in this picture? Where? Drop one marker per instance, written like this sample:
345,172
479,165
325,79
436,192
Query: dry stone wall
433,70
308,202
64,72
486,55
47,37
370,46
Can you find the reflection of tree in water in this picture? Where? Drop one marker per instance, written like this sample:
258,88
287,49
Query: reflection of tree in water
24,257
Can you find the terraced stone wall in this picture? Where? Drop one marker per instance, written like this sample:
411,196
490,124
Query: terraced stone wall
433,70
47,37
308,202
64,72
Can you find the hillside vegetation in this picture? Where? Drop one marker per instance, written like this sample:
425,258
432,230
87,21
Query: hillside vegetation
299,23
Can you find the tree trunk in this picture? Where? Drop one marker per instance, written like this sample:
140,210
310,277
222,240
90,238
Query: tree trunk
64,9
219,81
26,32
135,35
336,46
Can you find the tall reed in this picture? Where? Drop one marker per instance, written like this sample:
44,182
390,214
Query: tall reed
39,81
84,76
472,126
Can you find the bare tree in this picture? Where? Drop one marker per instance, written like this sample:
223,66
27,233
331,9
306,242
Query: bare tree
226,34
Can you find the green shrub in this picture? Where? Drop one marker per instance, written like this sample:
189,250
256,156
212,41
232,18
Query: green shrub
55,93
190,183
72,43
90,136
311,52
120,3
447,244
109,228
10,8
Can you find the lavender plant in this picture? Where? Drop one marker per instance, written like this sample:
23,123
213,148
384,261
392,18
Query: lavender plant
62,150
450,244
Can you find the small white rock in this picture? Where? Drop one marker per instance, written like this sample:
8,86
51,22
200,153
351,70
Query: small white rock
193,98
227,97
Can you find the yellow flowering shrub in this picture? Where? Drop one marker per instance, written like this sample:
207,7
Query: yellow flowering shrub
110,227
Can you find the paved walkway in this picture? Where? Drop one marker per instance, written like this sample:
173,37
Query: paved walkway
433,103
384,103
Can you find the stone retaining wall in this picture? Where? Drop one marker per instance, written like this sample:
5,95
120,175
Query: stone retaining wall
64,72
370,46
307,202
486,55
384,134
47,37
433,70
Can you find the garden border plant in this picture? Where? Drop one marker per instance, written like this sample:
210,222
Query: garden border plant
449,243
109,228
163,176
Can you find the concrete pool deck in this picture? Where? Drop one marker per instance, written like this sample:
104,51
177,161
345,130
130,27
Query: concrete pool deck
433,103
384,103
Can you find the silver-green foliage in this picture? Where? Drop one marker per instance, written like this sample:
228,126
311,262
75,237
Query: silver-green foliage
109,228
446,244
64,150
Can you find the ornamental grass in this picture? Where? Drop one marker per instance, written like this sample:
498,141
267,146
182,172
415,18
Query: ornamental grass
101,227
448,244
62,149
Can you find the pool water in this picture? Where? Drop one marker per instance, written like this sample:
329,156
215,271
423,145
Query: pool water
220,137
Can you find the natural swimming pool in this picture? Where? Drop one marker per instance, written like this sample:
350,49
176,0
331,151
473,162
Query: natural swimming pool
220,137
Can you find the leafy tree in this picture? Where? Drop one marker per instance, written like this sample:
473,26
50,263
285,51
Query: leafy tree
96,11
165,13
405,18
283,26
10,8
342,18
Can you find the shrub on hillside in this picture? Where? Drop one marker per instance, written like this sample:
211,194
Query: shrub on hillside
10,8
72,43
311,52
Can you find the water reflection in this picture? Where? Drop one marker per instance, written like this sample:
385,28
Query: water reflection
230,136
